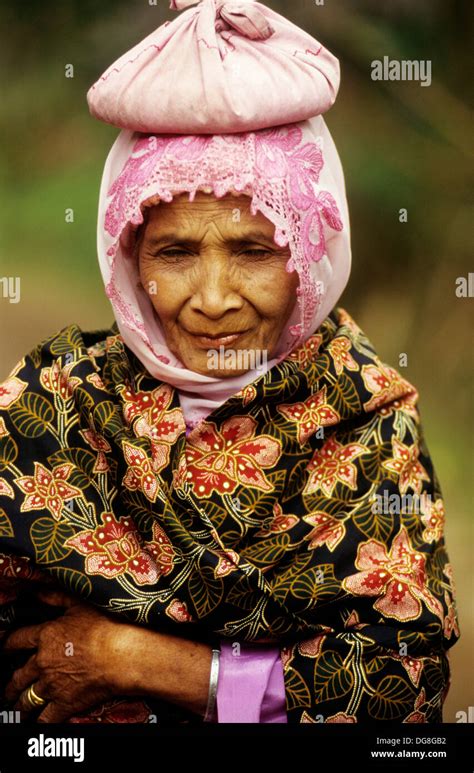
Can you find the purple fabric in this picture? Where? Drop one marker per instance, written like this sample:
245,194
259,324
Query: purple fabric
251,686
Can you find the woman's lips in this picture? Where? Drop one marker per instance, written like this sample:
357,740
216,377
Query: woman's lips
211,342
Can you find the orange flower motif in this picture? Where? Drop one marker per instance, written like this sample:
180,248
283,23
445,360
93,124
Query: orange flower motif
178,611
405,463
433,519
154,421
221,460
141,472
279,523
309,415
333,463
339,349
47,489
311,647
228,561
307,351
247,394
98,443
417,715
398,577
341,718
345,320
413,666
96,381
11,390
5,489
451,620
59,380
113,548
390,391
328,530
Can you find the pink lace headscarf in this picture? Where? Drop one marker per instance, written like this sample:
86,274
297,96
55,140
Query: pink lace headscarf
294,177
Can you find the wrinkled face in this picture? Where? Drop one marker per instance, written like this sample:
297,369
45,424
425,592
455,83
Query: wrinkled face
217,281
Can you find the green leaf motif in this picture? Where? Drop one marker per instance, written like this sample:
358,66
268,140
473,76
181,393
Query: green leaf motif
343,397
332,679
6,528
393,699
317,584
297,480
260,503
83,462
8,451
108,418
68,340
377,526
48,537
375,664
243,594
32,414
371,464
74,582
268,552
206,591
435,674
297,693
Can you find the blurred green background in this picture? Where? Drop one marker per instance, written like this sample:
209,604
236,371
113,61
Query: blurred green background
401,144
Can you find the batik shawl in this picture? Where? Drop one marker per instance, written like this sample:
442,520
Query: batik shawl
304,510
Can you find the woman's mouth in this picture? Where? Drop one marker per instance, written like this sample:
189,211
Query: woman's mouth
215,340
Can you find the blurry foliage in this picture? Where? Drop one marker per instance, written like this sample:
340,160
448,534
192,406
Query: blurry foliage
401,144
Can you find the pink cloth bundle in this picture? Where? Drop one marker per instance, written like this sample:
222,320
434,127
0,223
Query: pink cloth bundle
221,66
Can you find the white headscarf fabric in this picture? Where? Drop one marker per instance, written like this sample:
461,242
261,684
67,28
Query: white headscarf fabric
293,175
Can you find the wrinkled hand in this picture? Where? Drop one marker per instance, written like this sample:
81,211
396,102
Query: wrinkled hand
77,661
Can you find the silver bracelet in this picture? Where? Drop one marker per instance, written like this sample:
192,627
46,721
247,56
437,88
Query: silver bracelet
213,680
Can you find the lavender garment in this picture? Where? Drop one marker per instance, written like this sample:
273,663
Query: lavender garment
251,687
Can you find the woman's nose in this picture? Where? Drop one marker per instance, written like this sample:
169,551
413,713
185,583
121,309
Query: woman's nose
214,291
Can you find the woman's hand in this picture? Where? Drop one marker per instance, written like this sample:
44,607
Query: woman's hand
85,657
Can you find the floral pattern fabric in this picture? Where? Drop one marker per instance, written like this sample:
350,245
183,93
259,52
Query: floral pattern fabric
304,510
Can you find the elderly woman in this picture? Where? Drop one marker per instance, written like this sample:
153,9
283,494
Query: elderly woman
222,508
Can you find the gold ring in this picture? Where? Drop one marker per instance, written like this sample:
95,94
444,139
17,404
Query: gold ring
33,698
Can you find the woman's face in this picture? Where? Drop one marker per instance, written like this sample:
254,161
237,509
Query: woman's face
216,279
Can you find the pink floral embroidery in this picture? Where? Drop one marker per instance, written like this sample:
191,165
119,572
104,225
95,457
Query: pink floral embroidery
276,167
398,577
